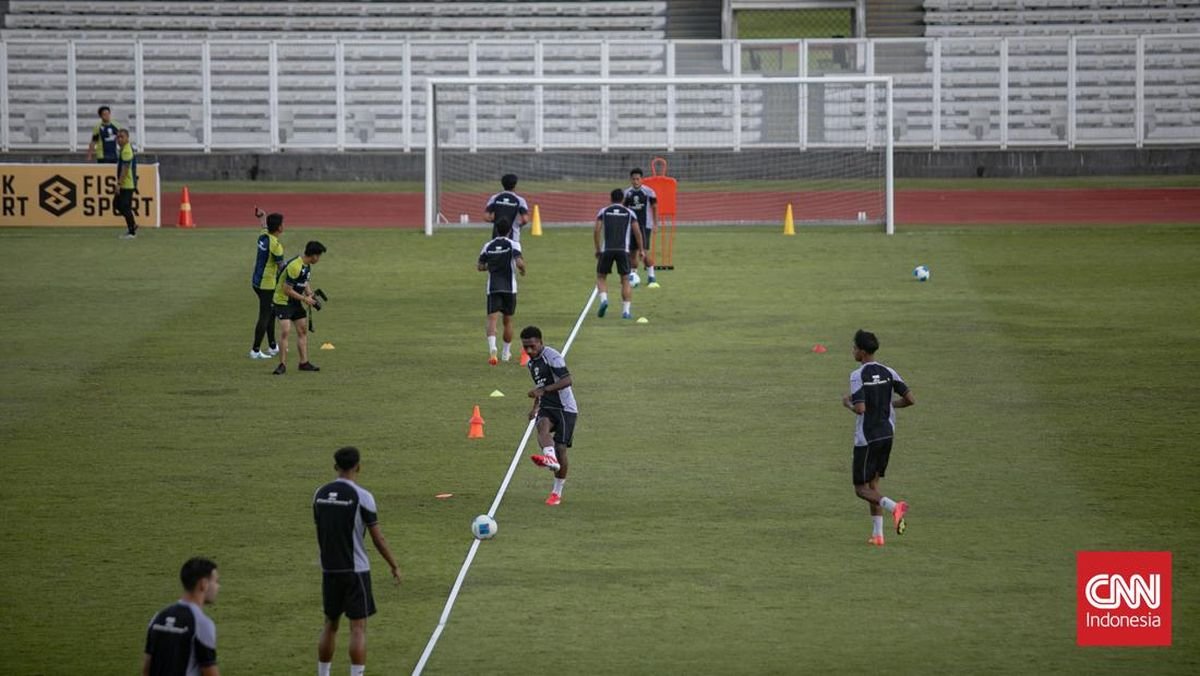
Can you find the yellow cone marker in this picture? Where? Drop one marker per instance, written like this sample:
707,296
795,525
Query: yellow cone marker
496,393
789,226
536,229
327,346
643,320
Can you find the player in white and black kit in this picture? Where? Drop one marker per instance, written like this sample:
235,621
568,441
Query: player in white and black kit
644,202
507,207
343,512
501,258
870,399
554,407
615,224
181,640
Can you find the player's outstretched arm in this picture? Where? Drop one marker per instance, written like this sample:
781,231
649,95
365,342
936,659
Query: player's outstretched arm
382,545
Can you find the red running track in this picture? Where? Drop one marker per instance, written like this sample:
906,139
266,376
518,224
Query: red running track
932,207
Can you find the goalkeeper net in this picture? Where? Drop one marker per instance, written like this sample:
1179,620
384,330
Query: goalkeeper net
743,150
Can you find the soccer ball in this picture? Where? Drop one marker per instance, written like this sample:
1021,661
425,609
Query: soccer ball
634,280
483,527
921,273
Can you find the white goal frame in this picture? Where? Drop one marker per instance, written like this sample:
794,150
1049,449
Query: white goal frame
431,135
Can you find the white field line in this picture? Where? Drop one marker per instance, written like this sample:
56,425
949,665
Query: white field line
512,468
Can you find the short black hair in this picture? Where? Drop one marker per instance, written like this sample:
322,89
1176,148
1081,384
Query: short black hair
617,195
508,181
194,570
531,332
101,109
866,341
635,172
274,222
314,248
503,228
346,458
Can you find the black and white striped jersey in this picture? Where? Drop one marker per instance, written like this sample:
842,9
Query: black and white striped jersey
506,207
548,368
500,256
617,221
343,511
873,384
181,640
640,201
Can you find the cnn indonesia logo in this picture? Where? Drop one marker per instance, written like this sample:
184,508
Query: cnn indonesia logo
1123,598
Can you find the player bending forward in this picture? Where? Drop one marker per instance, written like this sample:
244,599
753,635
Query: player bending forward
554,407
870,399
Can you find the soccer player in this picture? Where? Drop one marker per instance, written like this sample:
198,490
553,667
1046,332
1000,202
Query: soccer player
614,223
644,202
181,640
292,293
507,207
343,512
554,407
870,400
268,263
501,258
126,182
104,138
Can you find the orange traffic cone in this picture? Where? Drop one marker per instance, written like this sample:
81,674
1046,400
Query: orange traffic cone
185,211
819,349
524,358
476,431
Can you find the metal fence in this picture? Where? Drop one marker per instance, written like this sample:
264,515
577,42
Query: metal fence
277,95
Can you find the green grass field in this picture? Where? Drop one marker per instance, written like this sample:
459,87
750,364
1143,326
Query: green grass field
709,525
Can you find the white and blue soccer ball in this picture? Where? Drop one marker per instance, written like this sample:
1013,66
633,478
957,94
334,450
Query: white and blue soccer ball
921,273
483,527
634,280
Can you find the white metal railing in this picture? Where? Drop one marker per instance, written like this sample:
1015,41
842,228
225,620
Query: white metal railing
276,95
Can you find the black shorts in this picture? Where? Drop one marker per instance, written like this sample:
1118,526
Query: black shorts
504,303
347,593
871,460
607,258
291,312
645,241
561,422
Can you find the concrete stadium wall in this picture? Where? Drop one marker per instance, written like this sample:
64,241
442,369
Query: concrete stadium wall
381,166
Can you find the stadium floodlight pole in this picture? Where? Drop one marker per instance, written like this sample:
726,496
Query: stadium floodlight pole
849,123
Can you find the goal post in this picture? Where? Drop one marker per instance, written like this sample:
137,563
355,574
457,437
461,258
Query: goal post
743,149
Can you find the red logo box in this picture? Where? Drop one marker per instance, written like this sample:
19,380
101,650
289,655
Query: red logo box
1123,598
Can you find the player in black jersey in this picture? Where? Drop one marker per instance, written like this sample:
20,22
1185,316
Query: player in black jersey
507,207
870,400
614,225
181,640
343,512
643,201
501,258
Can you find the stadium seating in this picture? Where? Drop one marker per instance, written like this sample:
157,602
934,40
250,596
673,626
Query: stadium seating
1048,18
460,39
454,18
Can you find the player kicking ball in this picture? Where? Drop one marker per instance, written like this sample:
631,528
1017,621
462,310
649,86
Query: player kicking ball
554,408
870,400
